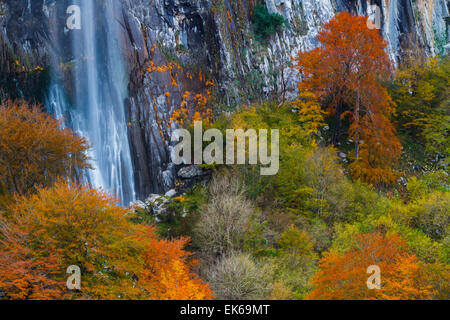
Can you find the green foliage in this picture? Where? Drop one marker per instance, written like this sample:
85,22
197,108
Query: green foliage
294,141
295,241
295,264
421,92
179,216
266,23
258,239
437,134
423,246
310,206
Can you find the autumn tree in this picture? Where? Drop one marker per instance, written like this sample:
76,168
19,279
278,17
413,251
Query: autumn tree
167,272
310,113
346,74
344,275
34,149
44,233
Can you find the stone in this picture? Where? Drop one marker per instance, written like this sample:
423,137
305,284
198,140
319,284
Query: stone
157,203
171,193
153,198
139,204
190,172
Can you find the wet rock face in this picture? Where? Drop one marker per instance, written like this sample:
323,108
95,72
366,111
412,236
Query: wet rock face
212,36
24,34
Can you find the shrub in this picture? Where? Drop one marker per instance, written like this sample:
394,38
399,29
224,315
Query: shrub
431,215
237,277
224,219
296,263
295,241
266,23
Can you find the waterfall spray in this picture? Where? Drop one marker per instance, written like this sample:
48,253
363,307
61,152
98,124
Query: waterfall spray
92,99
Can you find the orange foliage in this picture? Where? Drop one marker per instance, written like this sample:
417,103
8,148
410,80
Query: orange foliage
43,234
168,275
34,149
346,73
343,276
23,276
193,107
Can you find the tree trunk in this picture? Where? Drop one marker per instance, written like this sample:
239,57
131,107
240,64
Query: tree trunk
356,119
337,132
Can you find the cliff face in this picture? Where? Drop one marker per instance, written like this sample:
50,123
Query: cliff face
205,39
23,43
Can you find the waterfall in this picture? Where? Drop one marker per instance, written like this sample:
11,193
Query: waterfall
92,99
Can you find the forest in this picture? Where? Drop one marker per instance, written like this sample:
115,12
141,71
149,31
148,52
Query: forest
363,181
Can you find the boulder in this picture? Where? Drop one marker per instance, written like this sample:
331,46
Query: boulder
139,204
171,193
191,172
157,203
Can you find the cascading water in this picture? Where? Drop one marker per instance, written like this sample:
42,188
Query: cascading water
91,100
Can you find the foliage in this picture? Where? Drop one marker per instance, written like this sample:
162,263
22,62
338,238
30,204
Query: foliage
223,221
418,188
34,149
429,213
343,276
237,277
68,224
294,141
179,215
345,73
307,232
266,23
310,113
294,241
437,275
295,265
421,93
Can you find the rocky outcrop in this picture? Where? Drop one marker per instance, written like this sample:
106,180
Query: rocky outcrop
24,40
211,39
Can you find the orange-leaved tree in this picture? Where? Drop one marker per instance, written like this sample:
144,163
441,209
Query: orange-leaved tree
344,275
34,149
167,272
41,235
346,74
